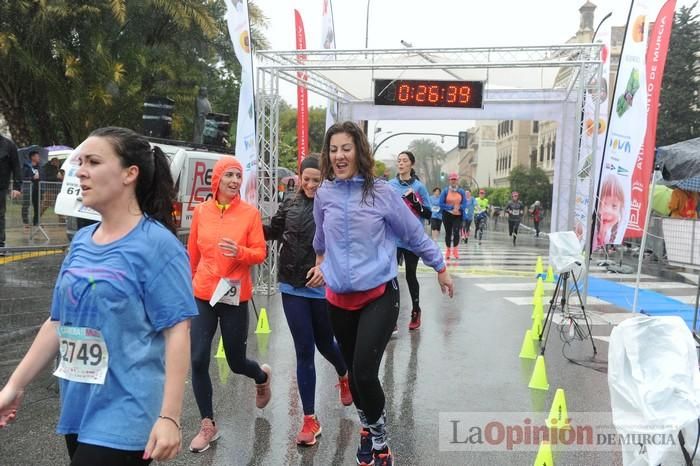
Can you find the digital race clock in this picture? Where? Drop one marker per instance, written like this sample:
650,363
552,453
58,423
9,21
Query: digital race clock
419,93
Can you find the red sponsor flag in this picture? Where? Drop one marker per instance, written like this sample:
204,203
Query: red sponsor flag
302,95
657,48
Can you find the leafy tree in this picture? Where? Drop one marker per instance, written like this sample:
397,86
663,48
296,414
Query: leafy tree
68,67
288,133
498,196
532,184
429,159
679,112
379,168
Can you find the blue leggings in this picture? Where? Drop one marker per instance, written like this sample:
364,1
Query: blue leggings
310,326
234,332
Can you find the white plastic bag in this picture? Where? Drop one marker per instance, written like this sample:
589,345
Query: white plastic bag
654,387
565,252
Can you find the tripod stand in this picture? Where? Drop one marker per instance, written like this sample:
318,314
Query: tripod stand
561,289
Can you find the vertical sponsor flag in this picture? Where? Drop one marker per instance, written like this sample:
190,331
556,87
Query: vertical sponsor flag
246,142
625,135
328,42
588,162
657,49
302,94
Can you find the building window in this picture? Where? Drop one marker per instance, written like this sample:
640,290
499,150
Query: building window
549,150
554,147
535,127
542,152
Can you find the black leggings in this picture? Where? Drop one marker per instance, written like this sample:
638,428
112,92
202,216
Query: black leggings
84,454
234,331
452,226
309,323
411,261
363,336
513,227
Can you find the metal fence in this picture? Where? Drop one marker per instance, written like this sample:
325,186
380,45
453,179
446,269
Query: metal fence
30,220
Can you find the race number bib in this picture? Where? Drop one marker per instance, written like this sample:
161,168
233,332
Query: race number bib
83,355
435,208
516,211
227,292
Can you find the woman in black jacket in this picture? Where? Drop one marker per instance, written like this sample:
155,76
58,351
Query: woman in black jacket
303,294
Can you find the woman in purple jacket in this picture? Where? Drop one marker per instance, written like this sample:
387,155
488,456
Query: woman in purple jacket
359,220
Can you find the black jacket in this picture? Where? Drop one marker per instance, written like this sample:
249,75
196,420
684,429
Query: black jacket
294,225
9,165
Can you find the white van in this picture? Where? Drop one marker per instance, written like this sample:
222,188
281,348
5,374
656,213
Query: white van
191,166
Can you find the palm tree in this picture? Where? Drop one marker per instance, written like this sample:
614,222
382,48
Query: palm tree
69,66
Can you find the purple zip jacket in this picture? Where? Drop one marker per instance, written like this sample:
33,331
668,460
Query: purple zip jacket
358,240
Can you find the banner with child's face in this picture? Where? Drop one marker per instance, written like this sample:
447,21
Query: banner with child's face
627,126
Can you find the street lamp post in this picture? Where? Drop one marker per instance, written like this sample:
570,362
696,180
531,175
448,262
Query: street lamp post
367,26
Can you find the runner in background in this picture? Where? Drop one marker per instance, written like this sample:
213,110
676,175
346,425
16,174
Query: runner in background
415,196
119,314
436,214
515,210
453,202
536,212
358,221
226,240
481,212
468,215
304,296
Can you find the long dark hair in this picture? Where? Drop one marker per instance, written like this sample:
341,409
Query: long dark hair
412,158
363,153
155,189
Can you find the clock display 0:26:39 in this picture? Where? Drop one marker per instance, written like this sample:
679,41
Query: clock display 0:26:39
419,93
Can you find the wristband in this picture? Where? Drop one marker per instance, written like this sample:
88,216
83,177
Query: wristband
171,420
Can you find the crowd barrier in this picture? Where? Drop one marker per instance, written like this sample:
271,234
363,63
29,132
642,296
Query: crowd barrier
30,219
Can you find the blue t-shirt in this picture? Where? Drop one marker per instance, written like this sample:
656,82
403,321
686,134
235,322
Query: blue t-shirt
435,207
130,290
469,209
304,291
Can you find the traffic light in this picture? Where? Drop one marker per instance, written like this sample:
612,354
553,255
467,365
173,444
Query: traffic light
462,144
442,176
216,128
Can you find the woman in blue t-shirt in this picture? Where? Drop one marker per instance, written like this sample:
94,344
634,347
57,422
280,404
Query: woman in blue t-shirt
436,214
120,312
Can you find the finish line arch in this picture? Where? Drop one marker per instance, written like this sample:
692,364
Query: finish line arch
543,83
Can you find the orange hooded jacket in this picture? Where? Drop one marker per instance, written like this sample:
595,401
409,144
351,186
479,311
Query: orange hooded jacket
240,222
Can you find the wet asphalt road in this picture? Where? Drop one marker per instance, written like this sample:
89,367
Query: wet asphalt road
463,359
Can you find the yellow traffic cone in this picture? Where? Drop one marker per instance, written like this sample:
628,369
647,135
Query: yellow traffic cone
527,350
537,309
536,329
539,288
558,416
538,266
263,324
220,353
550,275
538,381
544,455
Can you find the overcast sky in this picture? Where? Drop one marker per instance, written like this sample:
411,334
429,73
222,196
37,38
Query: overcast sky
430,23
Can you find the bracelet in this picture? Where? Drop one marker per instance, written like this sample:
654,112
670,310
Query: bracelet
171,420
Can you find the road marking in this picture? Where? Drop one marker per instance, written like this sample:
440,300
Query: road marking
29,255
528,301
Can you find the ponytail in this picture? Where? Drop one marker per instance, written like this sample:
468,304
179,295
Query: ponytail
156,196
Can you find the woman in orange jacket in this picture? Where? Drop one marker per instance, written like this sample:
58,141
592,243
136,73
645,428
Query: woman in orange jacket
226,239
